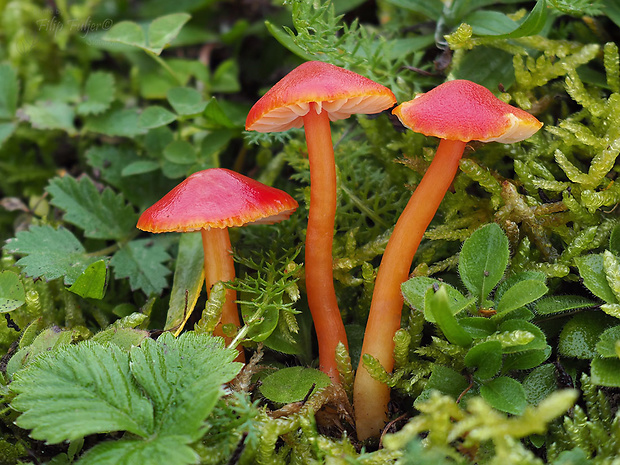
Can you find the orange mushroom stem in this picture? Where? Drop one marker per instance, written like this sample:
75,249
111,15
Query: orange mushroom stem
312,95
457,112
211,201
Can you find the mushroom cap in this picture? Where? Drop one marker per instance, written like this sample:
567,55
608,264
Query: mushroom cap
216,198
338,91
463,110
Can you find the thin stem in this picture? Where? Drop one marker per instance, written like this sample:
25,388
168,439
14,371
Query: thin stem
219,266
319,237
371,397
165,65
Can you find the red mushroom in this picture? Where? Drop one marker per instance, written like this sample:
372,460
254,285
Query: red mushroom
457,112
211,201
311,95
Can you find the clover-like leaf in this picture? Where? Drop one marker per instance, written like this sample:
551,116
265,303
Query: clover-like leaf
98,93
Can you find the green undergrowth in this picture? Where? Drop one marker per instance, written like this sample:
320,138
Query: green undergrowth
509,350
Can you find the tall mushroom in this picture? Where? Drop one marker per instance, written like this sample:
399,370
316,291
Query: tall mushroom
211,201
457,112
312,95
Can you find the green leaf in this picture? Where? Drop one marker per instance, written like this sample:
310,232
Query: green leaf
6,130
489,22
286,41
486,357
141,261
45,341
540,383
430,8
591,269
188,280
439,305
156,116
180,152
75,391
12,294
606,345
483,260
163,30
51,115
526,360
183,378
488,67
9,90
614,240
538,343
50,253
122,122
139,167
127,32
226,77
98,93
532,25
215,114
169,450
605,372
520,294
552,304
581,334
505,394
102,215
186,101
477,326
415,291
125,338
92,282
292,384
445,380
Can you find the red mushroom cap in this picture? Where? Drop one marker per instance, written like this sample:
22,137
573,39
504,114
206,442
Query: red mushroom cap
216,198
338,91
463,110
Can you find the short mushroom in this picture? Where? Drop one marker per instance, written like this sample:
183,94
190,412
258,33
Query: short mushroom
211,201
457,112
311,95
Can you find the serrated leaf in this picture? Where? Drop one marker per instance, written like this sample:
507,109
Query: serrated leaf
50,253
483,260
591,268
183,378
292,384
163,389
99,93
103,215
505,394
156,116
51,115
92,282
12,294
186,101
45,341
115,122
141,261
444,380
526,360
92,392
9,90
169,450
